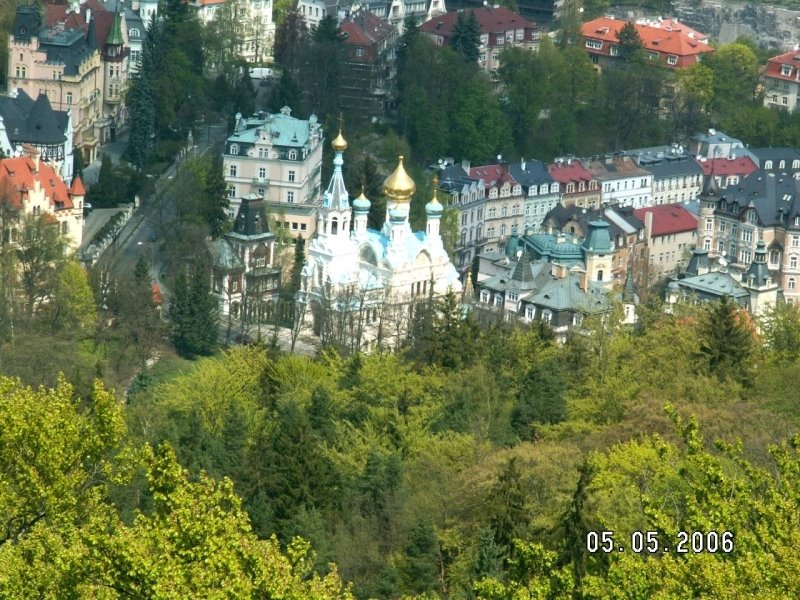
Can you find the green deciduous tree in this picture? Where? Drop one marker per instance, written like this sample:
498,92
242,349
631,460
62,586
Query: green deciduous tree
40,249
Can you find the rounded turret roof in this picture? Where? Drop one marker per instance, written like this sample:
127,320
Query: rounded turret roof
399,186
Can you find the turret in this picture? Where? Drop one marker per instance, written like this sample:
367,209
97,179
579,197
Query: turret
597,251
335,213
398,189
433,212
361,206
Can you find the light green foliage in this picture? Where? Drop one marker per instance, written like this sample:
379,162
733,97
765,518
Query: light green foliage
72,306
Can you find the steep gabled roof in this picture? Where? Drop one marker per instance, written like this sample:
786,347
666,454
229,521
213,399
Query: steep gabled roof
19,173
491,19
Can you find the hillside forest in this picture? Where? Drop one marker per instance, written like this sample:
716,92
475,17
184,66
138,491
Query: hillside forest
472,464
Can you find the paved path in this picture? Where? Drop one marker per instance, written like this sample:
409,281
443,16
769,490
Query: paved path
114,150
94,221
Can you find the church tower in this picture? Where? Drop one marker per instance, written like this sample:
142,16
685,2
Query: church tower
334,216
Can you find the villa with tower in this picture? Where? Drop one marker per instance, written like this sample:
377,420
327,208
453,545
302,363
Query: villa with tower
360,286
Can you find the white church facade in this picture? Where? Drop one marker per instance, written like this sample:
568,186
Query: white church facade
360,286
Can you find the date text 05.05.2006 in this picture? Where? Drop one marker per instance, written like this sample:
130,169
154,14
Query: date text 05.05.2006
655,542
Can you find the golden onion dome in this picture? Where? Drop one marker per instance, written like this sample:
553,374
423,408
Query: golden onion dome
339,144
399,186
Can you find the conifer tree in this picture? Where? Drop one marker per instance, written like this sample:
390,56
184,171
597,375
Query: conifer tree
193,312
727,343
466,37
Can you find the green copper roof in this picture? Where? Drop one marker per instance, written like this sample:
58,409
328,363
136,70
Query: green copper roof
115,33
598,240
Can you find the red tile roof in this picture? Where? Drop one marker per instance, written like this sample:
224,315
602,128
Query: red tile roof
19,172
668,219
571,172
741,165
156,292
775,66
491,20
666,37
365,28
77,188
492,175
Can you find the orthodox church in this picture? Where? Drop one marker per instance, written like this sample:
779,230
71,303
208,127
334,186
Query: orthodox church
359,285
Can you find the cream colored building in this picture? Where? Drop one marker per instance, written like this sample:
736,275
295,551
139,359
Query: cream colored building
671,235
33,187
279,158
79,59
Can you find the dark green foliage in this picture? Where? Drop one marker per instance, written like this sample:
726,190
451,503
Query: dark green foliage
727,345
297,269
489,557
419,564
215,198
446,338
193,312
404,43
363,172
286,93
575,526
630,45
541,398
289,40
77,165
327,31
508,516
285,469
466,37
446,106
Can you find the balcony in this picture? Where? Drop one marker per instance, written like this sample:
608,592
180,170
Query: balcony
261,181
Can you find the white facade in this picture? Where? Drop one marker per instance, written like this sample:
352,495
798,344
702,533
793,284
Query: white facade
352,278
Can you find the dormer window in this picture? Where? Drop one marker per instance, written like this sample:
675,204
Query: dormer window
292,154
786,70
768,165
234,148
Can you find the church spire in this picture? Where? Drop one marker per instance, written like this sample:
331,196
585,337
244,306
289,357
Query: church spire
336,196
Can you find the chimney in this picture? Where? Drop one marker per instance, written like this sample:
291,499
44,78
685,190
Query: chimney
465,165
522,163
33,153
88,15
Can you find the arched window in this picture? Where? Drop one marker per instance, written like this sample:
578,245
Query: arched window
292,154
600,275
782,165
791,283
768,165
334,226
234,148
22,71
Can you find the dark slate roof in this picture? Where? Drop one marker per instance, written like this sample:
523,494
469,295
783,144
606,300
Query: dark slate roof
775,198
530,172
251,220
776,154
714,285
674,167
32,122
26,23
454,178
522,274
621,220
758,270
223,256
698,261
68,48
545,290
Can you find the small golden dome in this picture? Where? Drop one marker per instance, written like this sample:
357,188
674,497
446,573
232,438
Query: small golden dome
339,144
399,186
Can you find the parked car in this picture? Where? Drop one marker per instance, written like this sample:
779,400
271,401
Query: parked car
87,208
152,236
